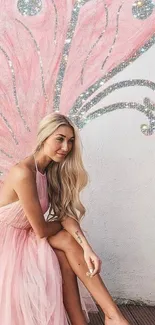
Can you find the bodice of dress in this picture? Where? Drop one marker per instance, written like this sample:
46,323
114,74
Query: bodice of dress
13,214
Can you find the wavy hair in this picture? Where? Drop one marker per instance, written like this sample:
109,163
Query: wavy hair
65,179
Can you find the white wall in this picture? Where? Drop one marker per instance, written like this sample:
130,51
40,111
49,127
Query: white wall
120,199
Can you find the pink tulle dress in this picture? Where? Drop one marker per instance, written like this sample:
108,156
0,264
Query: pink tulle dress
30,277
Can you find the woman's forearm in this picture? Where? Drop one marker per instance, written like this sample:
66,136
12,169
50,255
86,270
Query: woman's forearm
73,227
52,228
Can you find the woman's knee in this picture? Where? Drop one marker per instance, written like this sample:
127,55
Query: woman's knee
67,241
63,241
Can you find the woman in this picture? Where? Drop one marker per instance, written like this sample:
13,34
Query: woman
30,277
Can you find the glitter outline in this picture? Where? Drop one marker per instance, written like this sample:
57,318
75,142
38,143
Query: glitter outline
6,154
65,53
56,20
100,82
14,86
97,41
10,128
113,87
115,37
117,106
39,56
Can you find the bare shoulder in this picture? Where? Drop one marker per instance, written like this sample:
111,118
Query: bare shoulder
21,172
20,180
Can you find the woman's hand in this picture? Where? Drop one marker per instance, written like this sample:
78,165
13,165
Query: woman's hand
93,261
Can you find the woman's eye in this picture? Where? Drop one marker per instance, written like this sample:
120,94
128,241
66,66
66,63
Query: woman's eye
60,139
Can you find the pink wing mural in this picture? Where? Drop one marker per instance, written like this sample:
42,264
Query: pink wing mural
58,55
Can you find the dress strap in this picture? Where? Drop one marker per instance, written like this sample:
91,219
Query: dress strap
37,170
35,163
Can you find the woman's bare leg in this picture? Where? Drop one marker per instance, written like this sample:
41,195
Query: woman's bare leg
71,295
65,242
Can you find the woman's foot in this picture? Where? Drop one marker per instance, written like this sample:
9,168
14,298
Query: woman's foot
116,320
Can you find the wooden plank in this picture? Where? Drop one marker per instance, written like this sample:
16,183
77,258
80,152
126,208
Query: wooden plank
95,319
136,315
145,315
128,315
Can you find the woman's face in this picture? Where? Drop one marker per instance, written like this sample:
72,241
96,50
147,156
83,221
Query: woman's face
60,143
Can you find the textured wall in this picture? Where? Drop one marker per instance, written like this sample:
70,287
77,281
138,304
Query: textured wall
62,56
120,199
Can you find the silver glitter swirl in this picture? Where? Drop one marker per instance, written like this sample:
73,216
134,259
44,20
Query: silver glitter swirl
6,154
115,38
142,9
65,52
14,87
56,21
113,87
149,104
150,110
146,129
29,7
9,127
97,41
39,56
99,83
110,108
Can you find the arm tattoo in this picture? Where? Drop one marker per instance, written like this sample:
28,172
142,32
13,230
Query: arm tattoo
78,237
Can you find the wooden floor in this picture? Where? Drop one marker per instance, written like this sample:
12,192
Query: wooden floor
136,315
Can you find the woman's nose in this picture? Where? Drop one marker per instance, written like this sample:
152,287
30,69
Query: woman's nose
65,146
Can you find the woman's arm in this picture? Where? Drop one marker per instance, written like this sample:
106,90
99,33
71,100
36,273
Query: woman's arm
24,184
73,227
92,260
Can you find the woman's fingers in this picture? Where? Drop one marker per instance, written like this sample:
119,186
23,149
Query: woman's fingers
97,266
90,266
93,262
94,267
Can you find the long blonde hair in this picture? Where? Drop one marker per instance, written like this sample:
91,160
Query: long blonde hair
65,179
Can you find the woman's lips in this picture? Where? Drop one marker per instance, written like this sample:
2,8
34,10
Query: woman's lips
61,154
